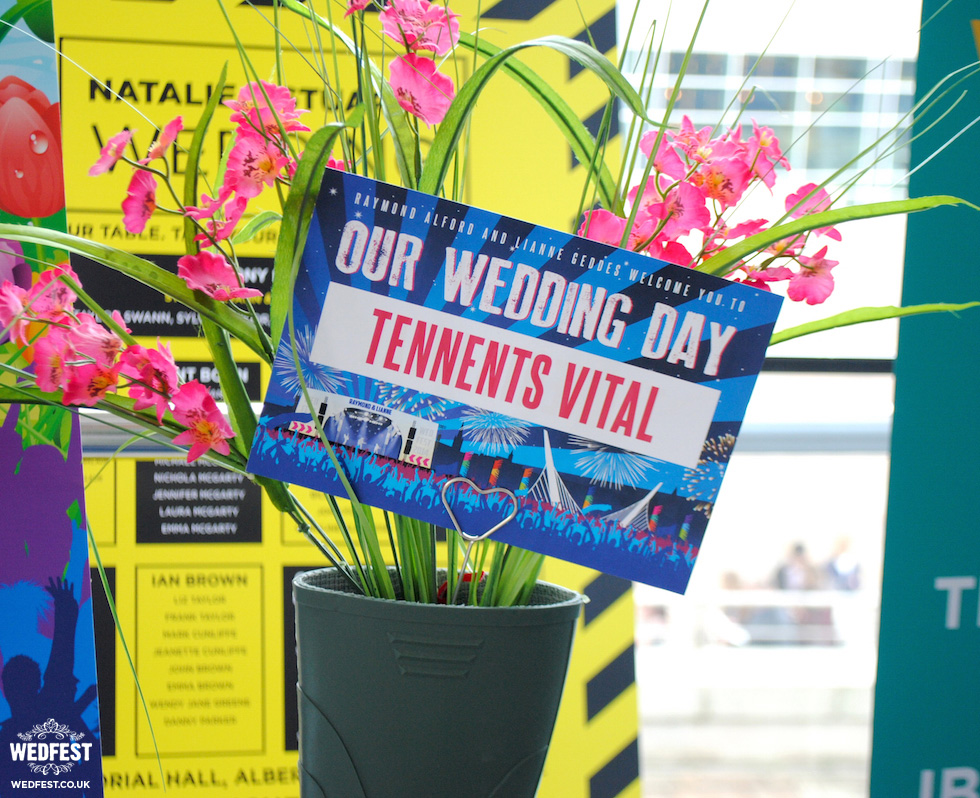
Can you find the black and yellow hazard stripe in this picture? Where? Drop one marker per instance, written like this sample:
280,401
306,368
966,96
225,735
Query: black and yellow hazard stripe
595,750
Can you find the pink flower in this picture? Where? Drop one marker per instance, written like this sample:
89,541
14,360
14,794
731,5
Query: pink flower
356,5
682,210
670,251
89,382
213,275
53,356
667,161
696,144
209,207
50,299
167,137
110,154
153,374
140,202
723,180
421,25
220,229
602,225
420,89
760,278
811,199
813,283
262,107
13,320
206,427
339,165
764,154
93,341
253,164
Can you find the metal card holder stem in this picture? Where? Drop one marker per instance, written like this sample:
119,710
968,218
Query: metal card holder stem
468,537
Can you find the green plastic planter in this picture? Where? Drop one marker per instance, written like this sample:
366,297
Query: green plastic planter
406,700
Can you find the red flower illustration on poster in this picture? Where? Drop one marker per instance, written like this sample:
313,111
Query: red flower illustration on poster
31,181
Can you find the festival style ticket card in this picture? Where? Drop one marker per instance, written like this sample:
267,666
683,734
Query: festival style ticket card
596,391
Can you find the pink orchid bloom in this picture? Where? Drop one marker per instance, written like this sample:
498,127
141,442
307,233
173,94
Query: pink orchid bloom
93,341
811,199
356,5
764,140
421,25
214,276
262,107
220,229
667,161
167,137
50,299
13,319
602,225
723,180
760,278
53,356
89,382
253,164
682,210
420,89
153,376
209,207
140,202
762,151
671,251
339,165
747,228
813,283
110,154
206,427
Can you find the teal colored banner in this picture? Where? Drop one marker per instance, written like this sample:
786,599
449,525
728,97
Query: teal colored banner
927,704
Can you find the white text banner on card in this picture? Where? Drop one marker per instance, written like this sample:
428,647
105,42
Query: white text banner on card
515,375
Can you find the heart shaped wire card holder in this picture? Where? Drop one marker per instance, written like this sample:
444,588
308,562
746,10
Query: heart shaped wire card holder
467,536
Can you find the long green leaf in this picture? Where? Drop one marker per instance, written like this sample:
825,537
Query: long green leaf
576,133
232,386
146,272
255,225
451,129
728,259
296,218
194,157
863,315
12,15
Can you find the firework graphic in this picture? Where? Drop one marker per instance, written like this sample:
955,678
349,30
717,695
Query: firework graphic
610,466
704,480
423,405
493,434
315,375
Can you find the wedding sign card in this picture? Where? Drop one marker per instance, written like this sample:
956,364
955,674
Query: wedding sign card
598,390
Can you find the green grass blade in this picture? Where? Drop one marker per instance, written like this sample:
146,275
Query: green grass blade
864,315
296,218
194,157
256,225
727,260
577,134
451,129
148,273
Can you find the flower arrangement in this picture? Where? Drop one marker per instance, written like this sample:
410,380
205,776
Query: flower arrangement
684,209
